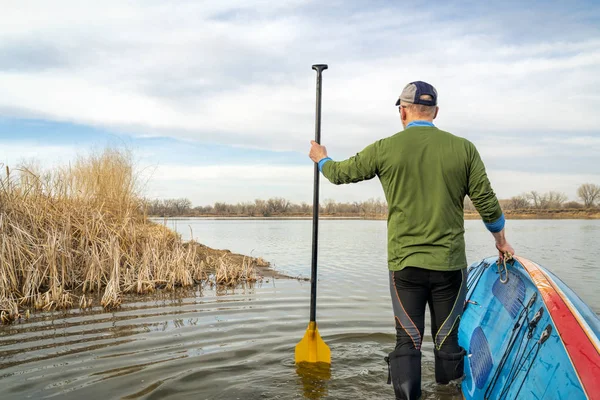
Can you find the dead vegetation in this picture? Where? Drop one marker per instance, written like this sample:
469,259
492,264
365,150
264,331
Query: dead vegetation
72,234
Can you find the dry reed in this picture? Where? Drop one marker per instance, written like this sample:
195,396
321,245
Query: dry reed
80,230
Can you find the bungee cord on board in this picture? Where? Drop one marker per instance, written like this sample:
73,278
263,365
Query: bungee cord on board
522,355
516,333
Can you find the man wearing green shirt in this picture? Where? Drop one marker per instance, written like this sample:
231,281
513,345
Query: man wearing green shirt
426,174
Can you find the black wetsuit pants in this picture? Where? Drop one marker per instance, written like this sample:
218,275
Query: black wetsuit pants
412,289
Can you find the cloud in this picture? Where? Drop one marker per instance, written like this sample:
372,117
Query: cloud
13,154
30,56
238,73
590,144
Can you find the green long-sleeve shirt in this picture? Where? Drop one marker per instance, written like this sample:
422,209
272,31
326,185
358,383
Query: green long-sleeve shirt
426,174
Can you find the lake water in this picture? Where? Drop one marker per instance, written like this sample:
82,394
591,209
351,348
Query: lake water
239,344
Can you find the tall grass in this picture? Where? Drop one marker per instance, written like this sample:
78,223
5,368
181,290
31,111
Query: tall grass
74,233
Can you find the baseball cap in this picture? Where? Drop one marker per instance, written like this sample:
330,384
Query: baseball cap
413,91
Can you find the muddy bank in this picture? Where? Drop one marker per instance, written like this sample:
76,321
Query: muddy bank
261,267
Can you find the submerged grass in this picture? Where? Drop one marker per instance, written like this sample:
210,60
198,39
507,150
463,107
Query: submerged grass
72,234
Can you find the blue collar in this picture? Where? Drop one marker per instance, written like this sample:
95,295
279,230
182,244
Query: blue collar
420,123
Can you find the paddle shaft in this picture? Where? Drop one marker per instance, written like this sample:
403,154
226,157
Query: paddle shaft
315,231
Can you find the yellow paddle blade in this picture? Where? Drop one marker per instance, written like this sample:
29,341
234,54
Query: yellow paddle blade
312,348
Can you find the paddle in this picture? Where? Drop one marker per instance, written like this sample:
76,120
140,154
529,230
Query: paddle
312,348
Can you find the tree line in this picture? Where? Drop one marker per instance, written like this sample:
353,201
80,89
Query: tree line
588,193
273,207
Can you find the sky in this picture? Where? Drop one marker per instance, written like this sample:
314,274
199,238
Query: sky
216,99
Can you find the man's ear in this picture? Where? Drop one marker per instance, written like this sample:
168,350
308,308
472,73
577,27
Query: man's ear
436,112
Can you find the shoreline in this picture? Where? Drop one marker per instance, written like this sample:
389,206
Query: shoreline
509,214
262,267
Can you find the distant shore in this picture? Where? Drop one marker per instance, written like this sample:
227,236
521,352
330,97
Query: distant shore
547,214
469,215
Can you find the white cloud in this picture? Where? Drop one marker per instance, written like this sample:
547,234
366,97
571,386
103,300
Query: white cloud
589,143
13,154
237,73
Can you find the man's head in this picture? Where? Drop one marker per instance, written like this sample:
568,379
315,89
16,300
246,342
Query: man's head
418,101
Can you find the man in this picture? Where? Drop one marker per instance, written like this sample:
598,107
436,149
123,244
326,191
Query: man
426,174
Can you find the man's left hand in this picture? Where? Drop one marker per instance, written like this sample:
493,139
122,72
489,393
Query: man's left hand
317,152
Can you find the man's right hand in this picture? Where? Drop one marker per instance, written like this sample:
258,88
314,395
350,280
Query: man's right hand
504,248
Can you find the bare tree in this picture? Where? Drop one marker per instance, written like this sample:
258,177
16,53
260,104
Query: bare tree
330,206
536,198
554,199
368,207
572,205
380,206
285,204
222,208
589,193
168,207
277,205
182,206
343,208
519,202
204,209
261,207
547,200
249,208
305,207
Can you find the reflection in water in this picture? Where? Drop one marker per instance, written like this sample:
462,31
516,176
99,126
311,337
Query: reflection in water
243,288
314,379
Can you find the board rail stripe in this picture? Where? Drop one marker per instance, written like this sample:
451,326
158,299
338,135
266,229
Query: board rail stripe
581,350
582,321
